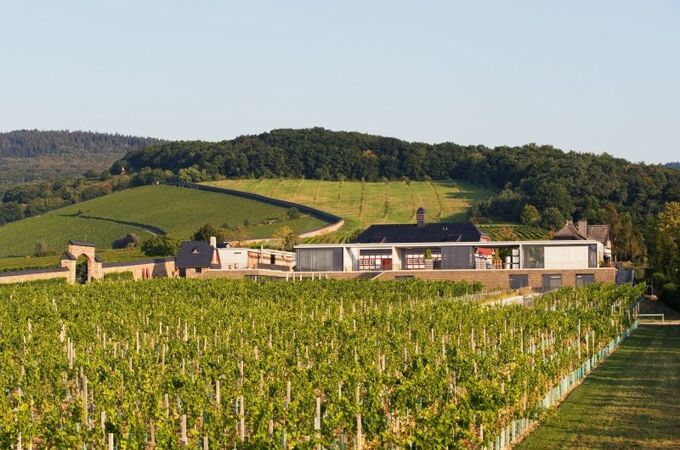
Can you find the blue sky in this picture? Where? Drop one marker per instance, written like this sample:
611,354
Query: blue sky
580,75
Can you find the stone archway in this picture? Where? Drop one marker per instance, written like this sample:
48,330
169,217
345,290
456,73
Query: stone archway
76,250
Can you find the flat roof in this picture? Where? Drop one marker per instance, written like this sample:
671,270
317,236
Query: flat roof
454,244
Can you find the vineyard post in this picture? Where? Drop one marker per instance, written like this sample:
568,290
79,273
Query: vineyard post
110,436
205,442
317,421
19,446
184,439
85,402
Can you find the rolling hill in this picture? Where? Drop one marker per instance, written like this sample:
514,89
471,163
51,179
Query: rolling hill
145,211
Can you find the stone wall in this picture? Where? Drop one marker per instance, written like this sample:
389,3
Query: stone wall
142,270
34,275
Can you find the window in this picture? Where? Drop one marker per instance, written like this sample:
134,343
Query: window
584,278
272,259
319,260
551,282
592,256
534,257
375,260
519,281
414,258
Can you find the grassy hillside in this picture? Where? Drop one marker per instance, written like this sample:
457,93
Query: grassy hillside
143,211
364,203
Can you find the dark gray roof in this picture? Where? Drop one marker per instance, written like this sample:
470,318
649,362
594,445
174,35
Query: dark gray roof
572,232
194,254
411,233
82,243
68,256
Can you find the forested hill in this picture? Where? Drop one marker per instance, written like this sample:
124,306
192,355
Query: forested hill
29,155
673,165
561,185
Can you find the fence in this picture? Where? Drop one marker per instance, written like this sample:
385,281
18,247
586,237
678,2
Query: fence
519,427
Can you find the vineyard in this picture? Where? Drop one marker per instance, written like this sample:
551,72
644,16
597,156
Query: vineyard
309,364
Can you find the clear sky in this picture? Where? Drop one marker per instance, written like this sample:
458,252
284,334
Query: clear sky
580,75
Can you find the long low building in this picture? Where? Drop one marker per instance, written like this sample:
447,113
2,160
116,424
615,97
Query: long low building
459,251
554,263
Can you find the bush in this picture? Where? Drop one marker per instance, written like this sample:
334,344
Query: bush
659,279
42,249
130,240
119,276
161,246
669,291
293,213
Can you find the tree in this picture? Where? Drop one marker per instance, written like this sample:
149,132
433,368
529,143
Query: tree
668,241
529,215
205,232
41,248
506,233
161,246
130,240
288,238
552,219
236,234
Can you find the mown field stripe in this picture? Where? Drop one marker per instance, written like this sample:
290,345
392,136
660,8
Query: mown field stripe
630,401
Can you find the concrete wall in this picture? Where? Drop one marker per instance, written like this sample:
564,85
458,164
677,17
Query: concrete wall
34,275
566,257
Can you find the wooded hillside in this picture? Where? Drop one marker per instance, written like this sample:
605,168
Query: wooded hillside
31,155
561,185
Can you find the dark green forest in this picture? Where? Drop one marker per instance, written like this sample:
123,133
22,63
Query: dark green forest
560,185
33,155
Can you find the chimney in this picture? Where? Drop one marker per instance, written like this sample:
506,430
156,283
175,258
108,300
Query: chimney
213,241
420,217
582,226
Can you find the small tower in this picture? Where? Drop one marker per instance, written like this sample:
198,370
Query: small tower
420,217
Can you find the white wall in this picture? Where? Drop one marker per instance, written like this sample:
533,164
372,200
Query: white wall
566,257
237,258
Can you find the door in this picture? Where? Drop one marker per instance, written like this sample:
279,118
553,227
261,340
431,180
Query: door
519,281
386,264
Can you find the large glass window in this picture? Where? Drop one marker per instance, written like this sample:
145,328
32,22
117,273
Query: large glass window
534,257
319,260
375,260
414,258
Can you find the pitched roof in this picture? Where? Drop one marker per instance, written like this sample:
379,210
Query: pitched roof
412,233
599,233
571,231
195,254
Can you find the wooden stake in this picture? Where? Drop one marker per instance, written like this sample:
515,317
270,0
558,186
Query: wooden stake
184,439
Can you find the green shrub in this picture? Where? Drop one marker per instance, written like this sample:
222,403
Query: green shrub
669,291
161,246
119,276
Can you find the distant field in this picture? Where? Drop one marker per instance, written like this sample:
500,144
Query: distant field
364,203
143,211
628,402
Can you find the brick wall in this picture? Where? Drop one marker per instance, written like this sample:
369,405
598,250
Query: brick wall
500,279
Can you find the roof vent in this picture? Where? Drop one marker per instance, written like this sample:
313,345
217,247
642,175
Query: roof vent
420,217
